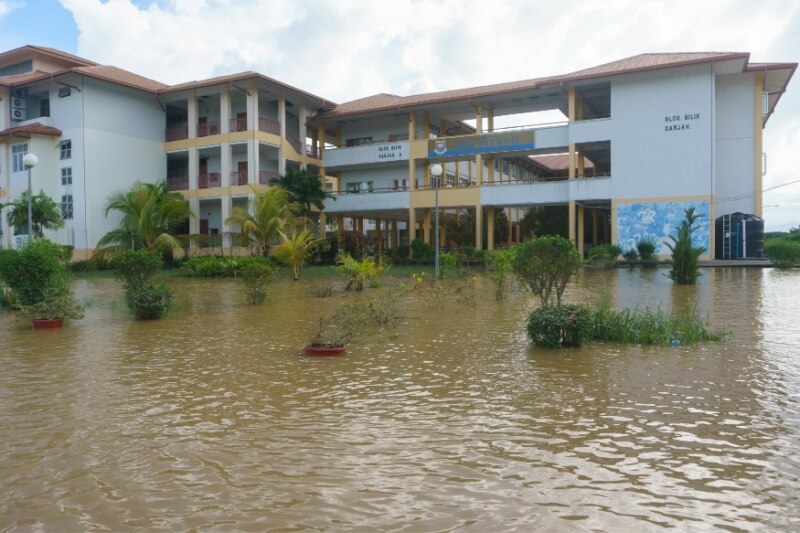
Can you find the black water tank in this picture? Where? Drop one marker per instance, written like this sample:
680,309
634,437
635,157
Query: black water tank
739,236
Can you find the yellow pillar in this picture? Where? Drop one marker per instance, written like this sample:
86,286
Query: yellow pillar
411,227
412,163
478,227
594,226
458,173
579,108
759,147
571,215
323,221
490,120
613,221
395,235
581,170
581,235
571,104
426,126
490,228
490,168
340,223
511,213
426,226
571,161
378,232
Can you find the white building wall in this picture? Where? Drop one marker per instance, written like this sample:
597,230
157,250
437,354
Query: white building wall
651,156
379,128
735,143
381,176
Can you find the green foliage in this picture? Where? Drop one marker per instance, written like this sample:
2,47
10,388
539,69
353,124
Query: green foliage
646,246
212,266
545,220
556,326
34,271
45,214
449,266
422,251
402,251
545,265
150,214
256,278
684,268
631,256
270,211
359,271
296,248
357,319
650,327
499,266
57,302
135,268
783,253
149,302
305,190
604,255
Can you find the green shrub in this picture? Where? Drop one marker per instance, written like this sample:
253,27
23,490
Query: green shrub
545,265
556,326
136,268
646,246
650,327
784,253
448,265
34,271
402,251
631,256
684,268
57,303
210,266
256,278
499,266
362,271
604,255
149,302
421,251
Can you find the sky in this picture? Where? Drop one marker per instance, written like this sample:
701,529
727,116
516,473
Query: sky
347,49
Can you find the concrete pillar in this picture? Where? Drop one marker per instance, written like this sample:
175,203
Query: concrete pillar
340,223
479,157
395,234
323,222
412,163
225,164
490,168
227,205
426,126
411,227
594,226
478,227
490,228
191,113
490,119
613,229
571,161
224,109
282,121
581,226
426,226
581,169
571,104
572,232
253,161
194,222
194,167
303,133
252,106
511,213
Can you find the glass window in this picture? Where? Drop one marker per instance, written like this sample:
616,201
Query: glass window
66,176
66,149
66,207
18,151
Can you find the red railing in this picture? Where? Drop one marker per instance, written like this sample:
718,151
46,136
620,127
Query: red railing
178,183
265,175
238,124
238,178
212,179
204,129
176,132
269,126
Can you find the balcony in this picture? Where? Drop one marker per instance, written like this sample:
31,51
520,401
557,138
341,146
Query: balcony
238,178
178,183
269,126
210,180
238,124
264,176
379,199
204,129
294,142
176,132
369,153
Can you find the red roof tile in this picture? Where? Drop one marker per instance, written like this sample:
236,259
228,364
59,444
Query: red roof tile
27,130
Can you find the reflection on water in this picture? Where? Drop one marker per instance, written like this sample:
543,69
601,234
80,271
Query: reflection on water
212,418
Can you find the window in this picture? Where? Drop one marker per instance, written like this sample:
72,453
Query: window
360,186
66,149
358,141
66,176
66,207
44,107
63,92
18,151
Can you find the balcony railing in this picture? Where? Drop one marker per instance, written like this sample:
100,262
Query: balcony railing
238,177
178,183
204,129
269,126
210,180
294,142
238,124
311,149
176,132
265,175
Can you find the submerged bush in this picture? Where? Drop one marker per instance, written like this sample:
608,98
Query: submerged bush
545,265
784,253
149,302
34,271
604,255
646,247
650,327
564,325
211,266
498,269
146,300
256,278
684,267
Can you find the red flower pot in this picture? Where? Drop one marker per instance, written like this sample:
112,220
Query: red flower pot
47,323
324,349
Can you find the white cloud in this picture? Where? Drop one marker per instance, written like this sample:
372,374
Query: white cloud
7,6
347,49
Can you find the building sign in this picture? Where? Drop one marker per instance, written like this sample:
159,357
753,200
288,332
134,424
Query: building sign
680,122
391,151
486,143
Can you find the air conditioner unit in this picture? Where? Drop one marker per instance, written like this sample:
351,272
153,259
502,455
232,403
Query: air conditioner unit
20,93
17,113
17,102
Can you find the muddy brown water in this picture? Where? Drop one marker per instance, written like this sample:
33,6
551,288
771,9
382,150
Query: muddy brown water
212,419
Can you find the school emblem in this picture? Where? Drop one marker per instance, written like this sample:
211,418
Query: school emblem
440,148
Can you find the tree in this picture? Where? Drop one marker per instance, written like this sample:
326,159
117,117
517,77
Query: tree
684,268
150,213
296,248
45,214
270,211
545,265
305,190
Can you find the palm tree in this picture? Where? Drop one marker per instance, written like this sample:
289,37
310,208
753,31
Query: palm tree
296,248
305,189
45,214
150,212
271,210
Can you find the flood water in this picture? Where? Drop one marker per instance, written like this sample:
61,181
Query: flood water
212,419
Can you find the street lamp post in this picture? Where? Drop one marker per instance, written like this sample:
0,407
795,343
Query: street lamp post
436,172
30,160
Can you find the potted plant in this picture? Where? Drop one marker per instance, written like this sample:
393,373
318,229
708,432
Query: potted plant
50,312
329,339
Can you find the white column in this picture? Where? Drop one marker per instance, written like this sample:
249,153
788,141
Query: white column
226,206
225,164
282,120
224,109
194,168
301,117
252,118
194,222
191,113
252,161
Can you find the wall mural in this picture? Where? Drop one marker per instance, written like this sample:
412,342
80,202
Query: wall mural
657,220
